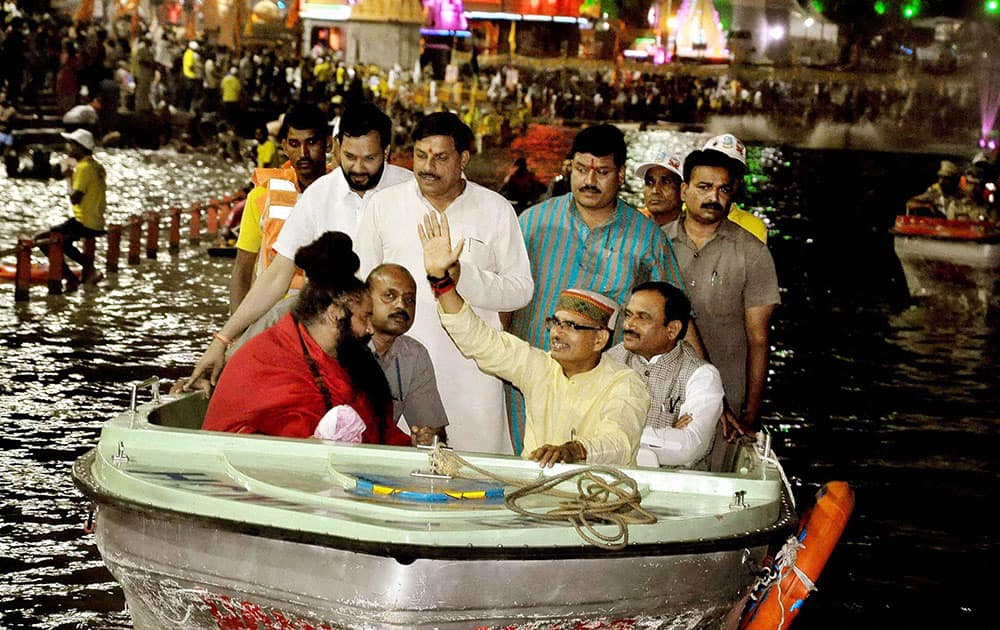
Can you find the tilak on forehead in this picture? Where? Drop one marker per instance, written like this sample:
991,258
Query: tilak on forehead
594,166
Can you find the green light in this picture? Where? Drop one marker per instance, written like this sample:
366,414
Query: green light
880,7
817,6
992,6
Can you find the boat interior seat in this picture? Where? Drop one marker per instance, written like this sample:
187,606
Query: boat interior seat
185,412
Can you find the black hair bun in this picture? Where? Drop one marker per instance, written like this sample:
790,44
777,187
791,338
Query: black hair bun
329,260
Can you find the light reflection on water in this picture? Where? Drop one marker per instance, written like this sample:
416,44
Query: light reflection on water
69,361
901,406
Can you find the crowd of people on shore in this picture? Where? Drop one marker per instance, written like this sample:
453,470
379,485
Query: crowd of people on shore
154,77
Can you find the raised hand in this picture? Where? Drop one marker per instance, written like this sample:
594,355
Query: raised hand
435,237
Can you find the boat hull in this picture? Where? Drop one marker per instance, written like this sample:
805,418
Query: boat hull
206,530
943,266
178,574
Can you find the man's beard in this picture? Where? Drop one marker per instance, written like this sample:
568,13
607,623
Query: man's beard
368,184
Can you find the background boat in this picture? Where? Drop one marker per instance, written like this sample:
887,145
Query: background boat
945,257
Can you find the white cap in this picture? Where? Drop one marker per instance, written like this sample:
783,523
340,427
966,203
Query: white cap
729,145
82,137
663,159
193,45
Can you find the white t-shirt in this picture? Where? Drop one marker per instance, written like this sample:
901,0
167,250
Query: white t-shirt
495,277
329,204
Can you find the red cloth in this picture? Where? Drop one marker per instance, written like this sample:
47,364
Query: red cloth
267,388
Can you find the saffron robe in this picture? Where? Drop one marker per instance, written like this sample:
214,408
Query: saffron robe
267,388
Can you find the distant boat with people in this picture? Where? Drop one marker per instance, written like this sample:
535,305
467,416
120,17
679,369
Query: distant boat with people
204,529
944,256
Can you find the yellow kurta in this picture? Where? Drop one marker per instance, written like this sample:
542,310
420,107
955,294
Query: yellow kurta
604,409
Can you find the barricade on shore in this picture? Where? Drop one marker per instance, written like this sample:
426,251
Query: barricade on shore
24,274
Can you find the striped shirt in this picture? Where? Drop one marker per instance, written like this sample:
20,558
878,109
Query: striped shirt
610,259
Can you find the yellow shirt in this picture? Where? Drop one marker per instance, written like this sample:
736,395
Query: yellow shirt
749,222
604,409
250,232
230,89
322,72
189,64
90,179
267,154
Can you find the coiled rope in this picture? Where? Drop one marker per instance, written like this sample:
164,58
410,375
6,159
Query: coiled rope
604,495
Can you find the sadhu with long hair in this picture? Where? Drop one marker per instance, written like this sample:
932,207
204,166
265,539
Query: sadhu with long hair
311,374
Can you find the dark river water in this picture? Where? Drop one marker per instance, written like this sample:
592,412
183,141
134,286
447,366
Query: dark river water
899,400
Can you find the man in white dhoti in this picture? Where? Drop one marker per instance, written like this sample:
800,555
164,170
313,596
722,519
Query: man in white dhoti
494,273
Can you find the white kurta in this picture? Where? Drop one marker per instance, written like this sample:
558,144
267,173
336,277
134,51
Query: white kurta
495,277
329,205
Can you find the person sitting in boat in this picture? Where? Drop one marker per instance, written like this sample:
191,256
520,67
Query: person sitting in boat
936,200
685,391
311,374
581,405
971,206
405,362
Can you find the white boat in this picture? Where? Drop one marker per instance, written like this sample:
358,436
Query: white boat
205,530
948,257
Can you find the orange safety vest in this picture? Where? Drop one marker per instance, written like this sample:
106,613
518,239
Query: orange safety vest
282,193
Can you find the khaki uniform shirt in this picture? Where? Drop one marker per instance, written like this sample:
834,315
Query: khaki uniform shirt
733,271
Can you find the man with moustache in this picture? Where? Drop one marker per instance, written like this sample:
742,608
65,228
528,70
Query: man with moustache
305,140
730,279
493,271
331,203
661,188
685,391
581,405
590,239
404,360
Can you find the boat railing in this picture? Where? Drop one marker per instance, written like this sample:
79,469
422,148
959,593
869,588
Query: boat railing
915,225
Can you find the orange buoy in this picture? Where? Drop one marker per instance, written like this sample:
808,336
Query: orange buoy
38,273
802,559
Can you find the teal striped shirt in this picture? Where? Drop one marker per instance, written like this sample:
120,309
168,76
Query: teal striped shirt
610,259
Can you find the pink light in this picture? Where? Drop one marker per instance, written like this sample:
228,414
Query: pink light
446,14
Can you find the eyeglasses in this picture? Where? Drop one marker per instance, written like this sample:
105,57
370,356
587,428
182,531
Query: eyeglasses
564,324
390,297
